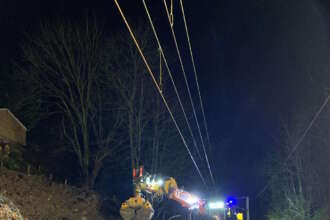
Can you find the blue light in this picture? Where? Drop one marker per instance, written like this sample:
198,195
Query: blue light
231,201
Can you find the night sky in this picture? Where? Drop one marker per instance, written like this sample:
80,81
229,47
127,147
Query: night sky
255,59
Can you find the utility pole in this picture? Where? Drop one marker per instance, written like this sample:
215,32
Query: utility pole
247,207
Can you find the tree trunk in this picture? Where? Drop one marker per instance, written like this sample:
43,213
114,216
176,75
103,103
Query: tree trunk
85,178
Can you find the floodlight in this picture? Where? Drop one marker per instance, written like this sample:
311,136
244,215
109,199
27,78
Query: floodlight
192,200
216,205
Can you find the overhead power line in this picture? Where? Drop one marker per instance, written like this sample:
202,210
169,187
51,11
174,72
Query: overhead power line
294,149
197,84
158,88
171,77
188,88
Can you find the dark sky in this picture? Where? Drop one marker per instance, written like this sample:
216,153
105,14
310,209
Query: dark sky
255,59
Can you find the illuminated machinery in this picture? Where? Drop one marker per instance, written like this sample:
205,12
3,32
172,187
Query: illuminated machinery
152,186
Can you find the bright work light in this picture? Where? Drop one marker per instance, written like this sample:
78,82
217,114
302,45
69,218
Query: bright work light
160,182
192,200
216,205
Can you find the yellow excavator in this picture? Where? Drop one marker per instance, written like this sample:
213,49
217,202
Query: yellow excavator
139,208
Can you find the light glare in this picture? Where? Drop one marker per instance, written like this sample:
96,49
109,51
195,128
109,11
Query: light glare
192,200
160,182
217,205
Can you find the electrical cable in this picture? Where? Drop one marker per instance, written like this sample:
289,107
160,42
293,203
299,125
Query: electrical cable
317,114
197,84
188,88
158,88
171,77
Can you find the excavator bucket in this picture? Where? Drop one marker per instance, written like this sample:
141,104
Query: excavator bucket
136,208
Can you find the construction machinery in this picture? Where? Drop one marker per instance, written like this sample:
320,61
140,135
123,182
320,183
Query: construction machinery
149,186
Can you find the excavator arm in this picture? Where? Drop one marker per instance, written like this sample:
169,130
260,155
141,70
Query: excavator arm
136,208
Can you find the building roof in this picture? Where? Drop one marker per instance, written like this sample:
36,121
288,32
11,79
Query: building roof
11,129
14,117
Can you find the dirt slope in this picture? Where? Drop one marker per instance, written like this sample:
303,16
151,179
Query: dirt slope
40,199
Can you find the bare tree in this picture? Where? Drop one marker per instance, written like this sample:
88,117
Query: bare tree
64,61
300,186
133,88
153,139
